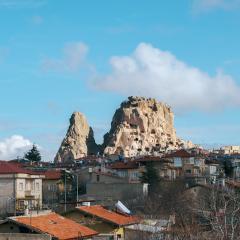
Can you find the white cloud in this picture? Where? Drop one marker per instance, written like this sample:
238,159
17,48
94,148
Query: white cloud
16,145
206,5
155,73
73,58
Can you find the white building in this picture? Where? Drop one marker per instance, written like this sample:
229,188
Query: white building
19,189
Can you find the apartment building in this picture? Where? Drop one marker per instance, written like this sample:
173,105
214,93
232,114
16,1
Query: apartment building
19,189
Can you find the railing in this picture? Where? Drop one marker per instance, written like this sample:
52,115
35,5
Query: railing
29,193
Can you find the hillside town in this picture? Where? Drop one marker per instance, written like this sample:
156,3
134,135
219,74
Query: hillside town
98,197
119,120
142,183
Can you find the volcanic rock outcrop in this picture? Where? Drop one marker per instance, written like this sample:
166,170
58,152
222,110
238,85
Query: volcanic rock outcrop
140,126
79,140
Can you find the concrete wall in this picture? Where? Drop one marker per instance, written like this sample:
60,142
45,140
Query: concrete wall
6,195
9,227
104,178
23,236
108,192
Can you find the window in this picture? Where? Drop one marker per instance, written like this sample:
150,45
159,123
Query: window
21,204
37,186
191,160
119,236
188,171
20,186
197,162
177,162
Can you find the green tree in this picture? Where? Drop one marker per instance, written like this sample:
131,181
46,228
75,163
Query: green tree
33,155
150,175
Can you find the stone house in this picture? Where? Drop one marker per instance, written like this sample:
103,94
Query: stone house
230,150
19,189
212,170
126,169
178,164
51,187
165,167
190,165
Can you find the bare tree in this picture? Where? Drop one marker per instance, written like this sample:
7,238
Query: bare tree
221,209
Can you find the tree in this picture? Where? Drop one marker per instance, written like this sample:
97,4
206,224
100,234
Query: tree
33,155
150,175
222,210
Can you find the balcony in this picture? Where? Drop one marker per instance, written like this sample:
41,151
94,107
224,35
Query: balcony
29,193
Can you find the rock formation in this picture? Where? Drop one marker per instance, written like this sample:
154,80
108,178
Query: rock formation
142,126
79,140
139,127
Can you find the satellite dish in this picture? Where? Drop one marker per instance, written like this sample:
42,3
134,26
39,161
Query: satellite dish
120,206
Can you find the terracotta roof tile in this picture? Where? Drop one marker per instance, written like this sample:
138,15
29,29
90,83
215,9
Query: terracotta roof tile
150,159
109,216
52,174
56,225
179,153
9,168
124,165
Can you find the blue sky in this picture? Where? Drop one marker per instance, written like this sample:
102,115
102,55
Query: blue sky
59,56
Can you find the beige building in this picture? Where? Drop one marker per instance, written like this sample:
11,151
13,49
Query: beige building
19,189
230,149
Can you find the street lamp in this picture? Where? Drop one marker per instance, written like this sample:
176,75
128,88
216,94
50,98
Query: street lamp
65,187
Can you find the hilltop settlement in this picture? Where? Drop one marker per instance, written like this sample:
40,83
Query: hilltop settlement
143,182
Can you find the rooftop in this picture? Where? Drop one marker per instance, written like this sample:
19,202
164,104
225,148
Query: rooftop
150,159
179,153
52,174
55,225
109,216
124,165
10,168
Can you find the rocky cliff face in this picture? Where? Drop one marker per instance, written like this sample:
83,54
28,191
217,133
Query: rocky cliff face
79,140
142,126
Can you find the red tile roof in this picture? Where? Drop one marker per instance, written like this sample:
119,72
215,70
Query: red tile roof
9,168
150,159
56,225
124,165
179,153
109,216
52,174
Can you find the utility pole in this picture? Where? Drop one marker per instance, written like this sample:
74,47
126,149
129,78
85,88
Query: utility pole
77,188
65,192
